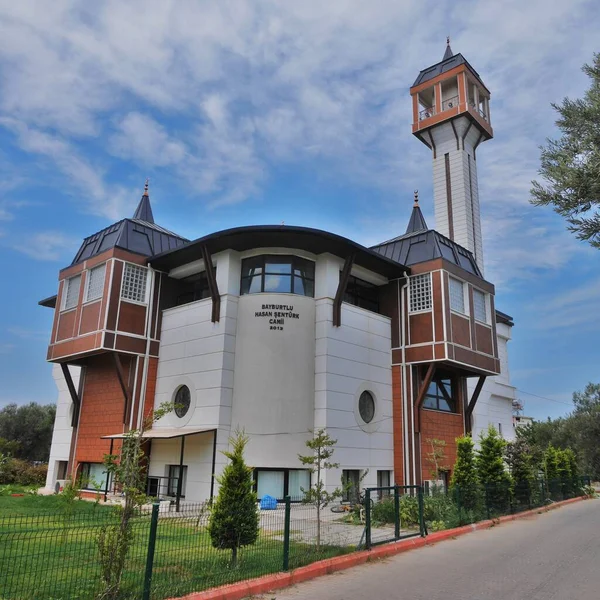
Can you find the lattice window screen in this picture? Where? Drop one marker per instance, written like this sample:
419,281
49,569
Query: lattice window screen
72,293
457,296
420,292
479,306
134,283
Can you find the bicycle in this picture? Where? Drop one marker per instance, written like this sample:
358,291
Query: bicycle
349,506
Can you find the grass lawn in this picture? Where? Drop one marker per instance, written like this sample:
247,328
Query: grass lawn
43,556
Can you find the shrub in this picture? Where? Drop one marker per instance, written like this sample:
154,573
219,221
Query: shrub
20,472
464,478
491,470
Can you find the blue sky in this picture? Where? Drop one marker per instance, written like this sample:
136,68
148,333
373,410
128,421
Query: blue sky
263,112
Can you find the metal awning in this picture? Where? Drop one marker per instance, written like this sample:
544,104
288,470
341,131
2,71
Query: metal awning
165,433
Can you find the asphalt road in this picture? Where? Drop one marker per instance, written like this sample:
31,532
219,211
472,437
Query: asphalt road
553,556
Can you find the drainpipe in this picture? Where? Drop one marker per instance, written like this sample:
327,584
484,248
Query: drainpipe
147,354
403,310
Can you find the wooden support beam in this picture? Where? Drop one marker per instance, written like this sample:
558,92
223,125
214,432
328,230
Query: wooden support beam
341,290
422,391
73,393
212,284
124,388
473,402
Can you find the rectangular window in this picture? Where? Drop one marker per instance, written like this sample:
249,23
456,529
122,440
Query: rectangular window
95,285
93,476
134,283
61,470
270,483
279,483
457,296
174,480
420,292
351,483
383,480
192,288
479,306
441,395
72,292
362,293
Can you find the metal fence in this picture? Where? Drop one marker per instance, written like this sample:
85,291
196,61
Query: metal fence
54,556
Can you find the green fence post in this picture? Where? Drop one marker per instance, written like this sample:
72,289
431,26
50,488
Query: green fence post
368,519
396,512
421,515
286,533
150,554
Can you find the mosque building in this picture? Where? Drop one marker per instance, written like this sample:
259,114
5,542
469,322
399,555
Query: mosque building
281,330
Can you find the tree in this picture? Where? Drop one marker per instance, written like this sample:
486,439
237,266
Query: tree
491,469
30,425
464,478
128,471
234,517
322,448
437,457
571,165
520,463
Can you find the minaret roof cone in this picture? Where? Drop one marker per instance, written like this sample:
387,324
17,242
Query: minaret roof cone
448,54
417,221
144,211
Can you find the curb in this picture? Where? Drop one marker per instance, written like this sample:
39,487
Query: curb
277,581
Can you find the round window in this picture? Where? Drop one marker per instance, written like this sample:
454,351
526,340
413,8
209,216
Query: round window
182,401
366,406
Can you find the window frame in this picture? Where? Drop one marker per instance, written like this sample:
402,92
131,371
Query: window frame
66,287
452,400
286,479
84,471
133,267
172,493
296,263
88,279
486,321
465,303
413,297
353,298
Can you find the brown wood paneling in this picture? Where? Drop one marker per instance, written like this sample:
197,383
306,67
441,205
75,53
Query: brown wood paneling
440,351
154,348
482,284
57,311
109,340
421,328
84,343
129,344
70,271
132,318
493,320
479,362
138,259
107,280
113,303
460,330
471,316
438,312
90,315
396,356
425,267
484,339
66,325
419,354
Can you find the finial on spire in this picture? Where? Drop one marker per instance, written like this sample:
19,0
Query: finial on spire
448,53
448,40
146,187
416,199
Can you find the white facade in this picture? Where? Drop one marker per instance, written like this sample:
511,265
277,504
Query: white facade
62,432
278,385
464,189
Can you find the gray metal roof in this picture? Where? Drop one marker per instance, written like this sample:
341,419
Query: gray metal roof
424,245
139,235
450,61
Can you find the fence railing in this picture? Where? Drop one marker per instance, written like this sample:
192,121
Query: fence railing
55,555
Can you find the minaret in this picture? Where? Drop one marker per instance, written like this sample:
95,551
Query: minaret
451,115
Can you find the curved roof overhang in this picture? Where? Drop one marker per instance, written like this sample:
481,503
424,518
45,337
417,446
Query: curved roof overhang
279,236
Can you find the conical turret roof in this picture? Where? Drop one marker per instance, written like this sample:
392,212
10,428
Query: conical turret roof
417,220
143,212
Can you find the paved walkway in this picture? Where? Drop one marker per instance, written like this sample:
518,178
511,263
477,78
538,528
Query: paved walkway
553,556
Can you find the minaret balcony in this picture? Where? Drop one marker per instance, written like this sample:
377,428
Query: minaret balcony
450,103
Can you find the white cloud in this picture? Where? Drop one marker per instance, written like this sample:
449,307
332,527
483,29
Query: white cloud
47,245
29,334
219,93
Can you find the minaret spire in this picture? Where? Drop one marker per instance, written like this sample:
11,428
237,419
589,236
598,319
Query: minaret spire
448,54
417,220
143,211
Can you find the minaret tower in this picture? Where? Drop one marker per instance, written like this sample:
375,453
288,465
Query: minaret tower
451,115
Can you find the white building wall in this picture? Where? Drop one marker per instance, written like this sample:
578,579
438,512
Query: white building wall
62,432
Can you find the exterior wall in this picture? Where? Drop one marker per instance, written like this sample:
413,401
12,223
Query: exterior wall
465,228
62,432
349,360
494,406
